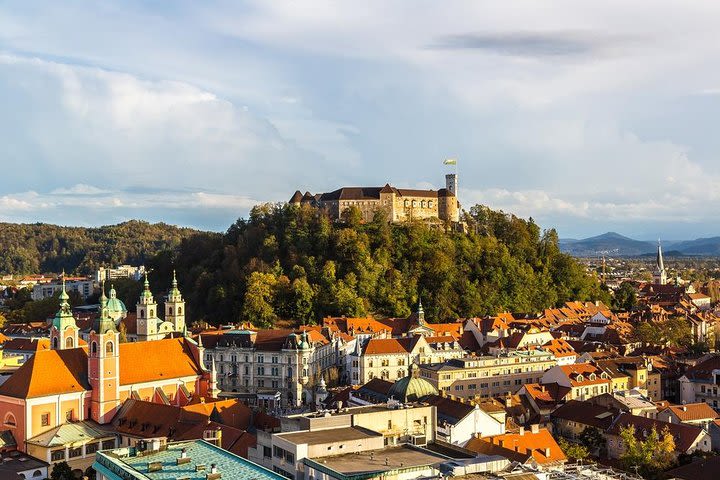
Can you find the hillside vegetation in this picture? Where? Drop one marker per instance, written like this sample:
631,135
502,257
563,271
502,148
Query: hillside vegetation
293,262
36,248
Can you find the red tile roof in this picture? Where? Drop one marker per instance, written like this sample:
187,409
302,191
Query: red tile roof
377,346
693,411
540,447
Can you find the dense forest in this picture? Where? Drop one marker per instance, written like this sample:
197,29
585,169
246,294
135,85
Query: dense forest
292,262
40,248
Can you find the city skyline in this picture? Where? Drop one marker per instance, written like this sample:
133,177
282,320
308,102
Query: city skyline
578,116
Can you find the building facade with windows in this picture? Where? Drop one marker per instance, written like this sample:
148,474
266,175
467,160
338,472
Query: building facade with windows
268,362
488,376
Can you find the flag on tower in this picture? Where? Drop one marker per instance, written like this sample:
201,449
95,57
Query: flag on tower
450,161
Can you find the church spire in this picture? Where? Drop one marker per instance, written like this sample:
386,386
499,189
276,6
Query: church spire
420,313
660,274
64,329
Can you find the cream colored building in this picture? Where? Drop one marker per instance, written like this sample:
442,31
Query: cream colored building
390,358
488,376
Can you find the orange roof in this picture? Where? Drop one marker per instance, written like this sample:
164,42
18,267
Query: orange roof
49,372
455,329
540,447
160,359
559,348
377,346
693,411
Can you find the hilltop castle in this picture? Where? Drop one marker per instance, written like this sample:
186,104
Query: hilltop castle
400,204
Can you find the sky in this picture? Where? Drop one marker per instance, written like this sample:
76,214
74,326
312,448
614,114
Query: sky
586,116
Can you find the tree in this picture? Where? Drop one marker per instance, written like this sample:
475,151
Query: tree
62,471
593,439
3,320
122,332
575,451
651,455
625,297
258,307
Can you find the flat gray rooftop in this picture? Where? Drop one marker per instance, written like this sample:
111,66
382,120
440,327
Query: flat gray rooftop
375,461
330,435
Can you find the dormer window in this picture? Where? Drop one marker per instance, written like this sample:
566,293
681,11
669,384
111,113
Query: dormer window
592,376
580,378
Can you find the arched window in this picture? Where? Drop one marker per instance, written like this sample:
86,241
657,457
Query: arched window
142,312
400,373
55,343
93,347
179,310
422,204
414,203
406,203
152,313
109,347
10,420
170,310
69,342
384,374
37,473
430,203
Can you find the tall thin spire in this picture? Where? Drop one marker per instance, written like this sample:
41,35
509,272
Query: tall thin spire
660,274
420,312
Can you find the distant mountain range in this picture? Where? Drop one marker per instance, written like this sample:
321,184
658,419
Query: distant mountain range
614,244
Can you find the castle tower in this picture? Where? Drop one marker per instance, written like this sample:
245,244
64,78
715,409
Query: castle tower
175,307
64,330
147,321
660,274
451,183
104,367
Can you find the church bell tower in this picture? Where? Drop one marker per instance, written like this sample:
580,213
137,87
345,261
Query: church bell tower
175,307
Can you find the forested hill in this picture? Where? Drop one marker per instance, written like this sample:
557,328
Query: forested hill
34,248
292,262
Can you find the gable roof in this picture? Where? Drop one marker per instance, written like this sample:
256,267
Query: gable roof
520,447
449,410
587,413
49,372
703,370
379,346
160,359
693,411
702,469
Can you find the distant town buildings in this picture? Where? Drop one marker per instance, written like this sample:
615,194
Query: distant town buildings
106,274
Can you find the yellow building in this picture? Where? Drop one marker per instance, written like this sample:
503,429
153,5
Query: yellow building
488,376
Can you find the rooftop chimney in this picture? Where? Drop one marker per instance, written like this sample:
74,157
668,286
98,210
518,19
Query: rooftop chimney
522,431
535,428
547,452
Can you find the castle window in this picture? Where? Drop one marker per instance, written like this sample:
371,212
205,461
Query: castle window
69,342
109,347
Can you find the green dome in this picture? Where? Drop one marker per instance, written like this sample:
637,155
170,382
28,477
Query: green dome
411,388
114,304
